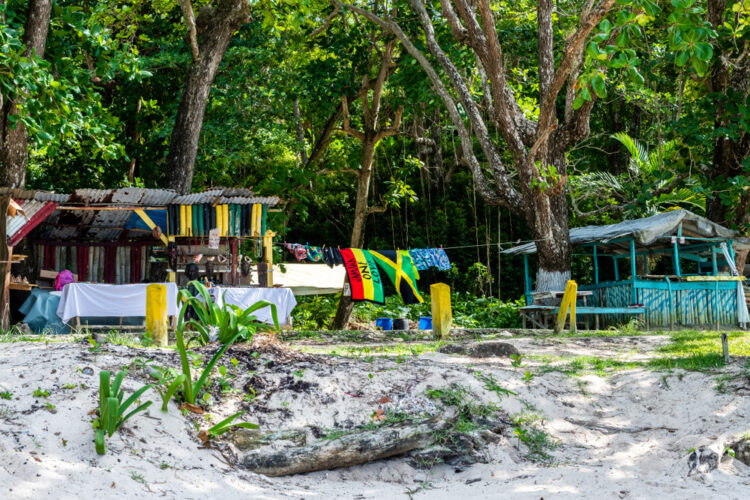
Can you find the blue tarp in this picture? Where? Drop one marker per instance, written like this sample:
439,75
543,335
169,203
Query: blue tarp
159,216
41,312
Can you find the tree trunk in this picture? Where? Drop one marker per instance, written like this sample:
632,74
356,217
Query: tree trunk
346,305
14,139
221,23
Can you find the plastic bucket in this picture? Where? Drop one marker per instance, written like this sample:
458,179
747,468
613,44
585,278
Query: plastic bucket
383,324
425,323
401,324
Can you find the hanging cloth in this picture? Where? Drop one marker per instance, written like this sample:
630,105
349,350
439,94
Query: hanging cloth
254,229
332,256
110,264
183,212
743,318
201,213
83,263
225,219
399,268
363,275
219,220
243,219
315,254
263,215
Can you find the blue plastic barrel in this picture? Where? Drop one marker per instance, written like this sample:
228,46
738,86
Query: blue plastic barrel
384,323
425,323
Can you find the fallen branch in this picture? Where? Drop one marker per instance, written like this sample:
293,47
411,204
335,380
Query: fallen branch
613,429
348,450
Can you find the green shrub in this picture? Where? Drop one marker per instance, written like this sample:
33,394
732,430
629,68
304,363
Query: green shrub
112,409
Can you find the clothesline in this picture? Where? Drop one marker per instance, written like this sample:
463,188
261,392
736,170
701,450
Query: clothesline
482,245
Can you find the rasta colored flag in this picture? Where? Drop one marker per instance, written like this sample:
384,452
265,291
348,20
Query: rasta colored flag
363,275
399,267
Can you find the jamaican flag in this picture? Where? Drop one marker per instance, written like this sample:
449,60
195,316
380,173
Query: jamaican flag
363,275
399,267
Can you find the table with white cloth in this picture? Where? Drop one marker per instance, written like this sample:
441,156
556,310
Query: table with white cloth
109,301
243,298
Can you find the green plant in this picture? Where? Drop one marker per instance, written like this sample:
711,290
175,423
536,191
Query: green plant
227,423
515,360
527,376
40,393
227,320
112,408
6,395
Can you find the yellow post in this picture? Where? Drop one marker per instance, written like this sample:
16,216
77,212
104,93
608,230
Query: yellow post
156,313
440,293
568,302
268,253
183,220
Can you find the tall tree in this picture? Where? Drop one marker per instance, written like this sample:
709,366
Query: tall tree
13,134
209,35
537,148
373,131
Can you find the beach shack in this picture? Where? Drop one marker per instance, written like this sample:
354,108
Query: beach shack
673,269
130,237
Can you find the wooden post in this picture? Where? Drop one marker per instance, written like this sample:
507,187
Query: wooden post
442,316
6,254
233,248
262,274
156,313
725,347
268,254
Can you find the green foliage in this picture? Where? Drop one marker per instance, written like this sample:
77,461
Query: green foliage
227,320
112,408
228,423
6,395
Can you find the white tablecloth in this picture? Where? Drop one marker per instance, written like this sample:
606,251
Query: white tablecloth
100,300
245,297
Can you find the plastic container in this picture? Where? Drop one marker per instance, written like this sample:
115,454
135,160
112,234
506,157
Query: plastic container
425,323
383,324
401,324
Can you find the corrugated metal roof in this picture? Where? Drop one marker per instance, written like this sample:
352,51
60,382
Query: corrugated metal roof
194,198
265,200
14,224
107,225
646,232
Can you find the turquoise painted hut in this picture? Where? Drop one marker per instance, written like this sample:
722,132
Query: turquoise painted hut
673,269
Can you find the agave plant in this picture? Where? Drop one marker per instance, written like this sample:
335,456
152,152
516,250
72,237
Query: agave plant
227,320
112,408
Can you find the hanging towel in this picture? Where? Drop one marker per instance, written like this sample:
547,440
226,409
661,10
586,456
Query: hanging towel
200,210
299,251
248,220
332,257
399,268
363,275
237,219
253,224
263,215
83,263
315,254
225,219
219,220
425,258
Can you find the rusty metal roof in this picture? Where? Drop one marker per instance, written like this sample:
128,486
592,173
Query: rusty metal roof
107,225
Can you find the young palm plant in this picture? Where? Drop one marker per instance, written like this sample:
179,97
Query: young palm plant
230,322
112,408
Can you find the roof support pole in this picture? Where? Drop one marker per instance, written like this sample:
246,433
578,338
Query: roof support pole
713,261
633,271
617,270
596,267
527,279
676,255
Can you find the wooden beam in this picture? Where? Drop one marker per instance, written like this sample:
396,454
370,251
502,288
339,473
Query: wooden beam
5,262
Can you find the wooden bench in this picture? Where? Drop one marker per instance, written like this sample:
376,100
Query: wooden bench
551,311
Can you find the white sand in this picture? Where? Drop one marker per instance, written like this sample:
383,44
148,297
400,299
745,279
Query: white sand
50,453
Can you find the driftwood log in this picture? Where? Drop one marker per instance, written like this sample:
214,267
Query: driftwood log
345,451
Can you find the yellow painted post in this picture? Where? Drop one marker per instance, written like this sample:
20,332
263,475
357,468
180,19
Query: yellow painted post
156,313
268,254
440,293
568,302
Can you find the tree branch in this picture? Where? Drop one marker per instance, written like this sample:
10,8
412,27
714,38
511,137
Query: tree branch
346,127
326,23
187,13
393,129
